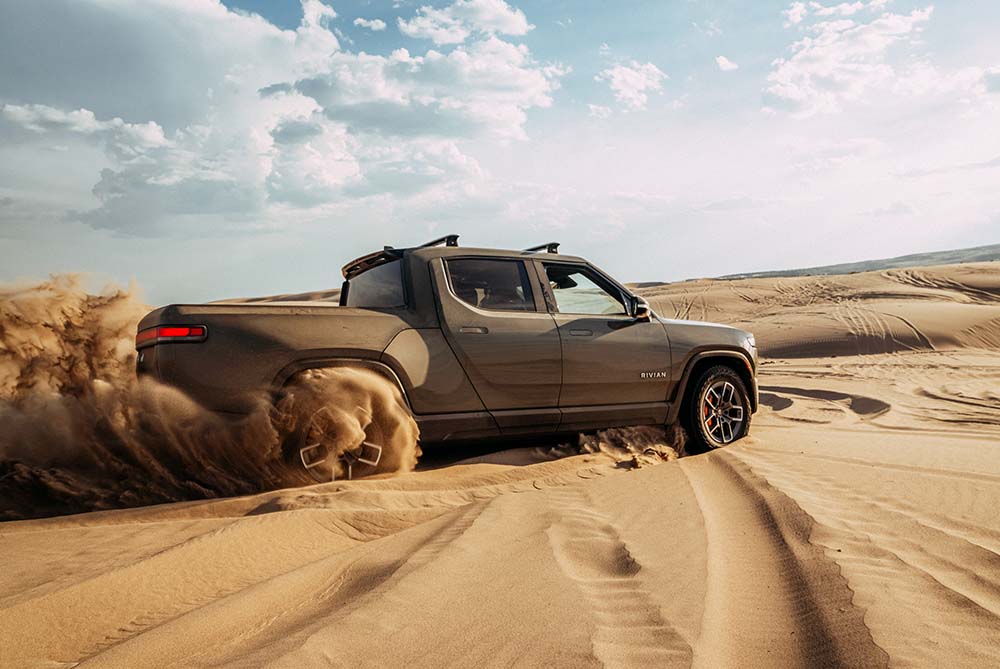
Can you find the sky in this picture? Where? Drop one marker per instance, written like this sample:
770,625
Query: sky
250,147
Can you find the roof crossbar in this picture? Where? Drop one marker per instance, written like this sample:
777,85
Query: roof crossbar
551,247
447,240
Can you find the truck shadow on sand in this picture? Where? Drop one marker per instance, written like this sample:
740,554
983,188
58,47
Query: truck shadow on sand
865,407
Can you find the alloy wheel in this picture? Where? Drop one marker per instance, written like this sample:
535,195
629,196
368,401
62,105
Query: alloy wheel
722,412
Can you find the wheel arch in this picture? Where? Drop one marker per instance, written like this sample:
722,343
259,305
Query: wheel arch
289,371
698,363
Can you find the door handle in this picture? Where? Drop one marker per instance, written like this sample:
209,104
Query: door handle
581,333
472,329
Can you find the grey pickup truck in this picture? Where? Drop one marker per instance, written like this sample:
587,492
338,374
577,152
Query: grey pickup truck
480,342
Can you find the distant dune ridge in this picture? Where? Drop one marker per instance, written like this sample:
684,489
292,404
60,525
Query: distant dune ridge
856,526
332,295
989,253
974,254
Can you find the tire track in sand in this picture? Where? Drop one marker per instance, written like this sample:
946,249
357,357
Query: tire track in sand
299,600
774,599
631,630
942,570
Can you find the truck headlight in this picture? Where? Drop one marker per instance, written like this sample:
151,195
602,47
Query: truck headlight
751,342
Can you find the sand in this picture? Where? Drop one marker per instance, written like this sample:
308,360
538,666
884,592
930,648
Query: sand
856,526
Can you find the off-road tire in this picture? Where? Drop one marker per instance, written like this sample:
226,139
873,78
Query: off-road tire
325,473
717,397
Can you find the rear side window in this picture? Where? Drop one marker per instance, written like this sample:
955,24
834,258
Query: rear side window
491,283
378,288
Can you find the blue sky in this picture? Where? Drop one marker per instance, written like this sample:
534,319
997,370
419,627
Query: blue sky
251,147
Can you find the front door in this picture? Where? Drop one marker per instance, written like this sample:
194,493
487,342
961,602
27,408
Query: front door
495,319
616,370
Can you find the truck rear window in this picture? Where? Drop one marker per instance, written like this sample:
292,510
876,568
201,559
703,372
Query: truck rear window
378,288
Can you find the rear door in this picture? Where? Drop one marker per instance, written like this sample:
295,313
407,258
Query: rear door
494,316
616,370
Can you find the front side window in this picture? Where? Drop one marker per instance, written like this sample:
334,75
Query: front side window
579,291
381,287
490,283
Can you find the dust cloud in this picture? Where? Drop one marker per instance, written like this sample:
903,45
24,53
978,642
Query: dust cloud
79,431
635,447
339,408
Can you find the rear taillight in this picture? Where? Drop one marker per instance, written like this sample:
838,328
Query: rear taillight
170,333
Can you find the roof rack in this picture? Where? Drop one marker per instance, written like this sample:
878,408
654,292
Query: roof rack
387,254
551,247
447,240
366,262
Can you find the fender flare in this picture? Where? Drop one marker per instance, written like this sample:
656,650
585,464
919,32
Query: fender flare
679,395
298,366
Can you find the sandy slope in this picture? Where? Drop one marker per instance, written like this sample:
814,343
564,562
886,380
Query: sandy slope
924,308
856,526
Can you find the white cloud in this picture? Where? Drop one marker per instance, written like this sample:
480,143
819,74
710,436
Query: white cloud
795,13
435,25
372,24
843,9
725,64
604,49
599,111
480,89
316,12
127,141
631,82
456,22
159,60
278,120
312,161
798,11
840,62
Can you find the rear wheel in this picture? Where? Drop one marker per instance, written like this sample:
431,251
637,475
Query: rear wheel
345,422
319,447
718,409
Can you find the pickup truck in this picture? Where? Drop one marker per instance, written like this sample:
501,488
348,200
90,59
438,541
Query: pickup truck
480,343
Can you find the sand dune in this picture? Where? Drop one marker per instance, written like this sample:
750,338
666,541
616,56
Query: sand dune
856,526
925,309
989,253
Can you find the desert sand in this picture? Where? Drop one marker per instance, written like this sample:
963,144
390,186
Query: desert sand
856,526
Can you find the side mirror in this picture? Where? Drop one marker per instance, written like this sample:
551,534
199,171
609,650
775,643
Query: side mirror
641,310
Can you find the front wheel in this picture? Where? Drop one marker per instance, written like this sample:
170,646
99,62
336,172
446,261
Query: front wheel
718,411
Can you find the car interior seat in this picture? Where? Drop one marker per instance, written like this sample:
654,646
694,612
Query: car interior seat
503,298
